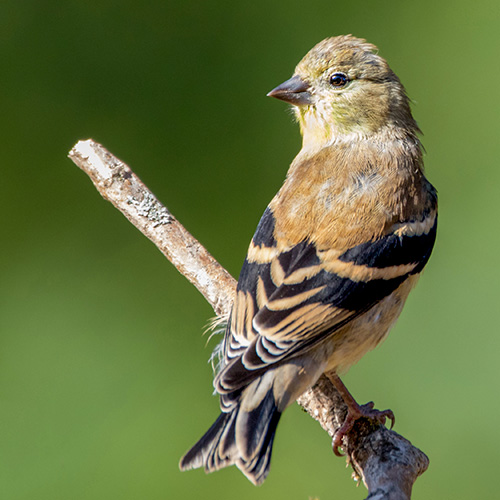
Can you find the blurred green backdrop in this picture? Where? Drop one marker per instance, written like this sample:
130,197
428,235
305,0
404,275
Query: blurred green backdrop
104,380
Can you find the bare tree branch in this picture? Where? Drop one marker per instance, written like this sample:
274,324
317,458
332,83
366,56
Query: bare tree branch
387,463
118,184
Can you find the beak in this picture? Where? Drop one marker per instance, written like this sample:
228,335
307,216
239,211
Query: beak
294,91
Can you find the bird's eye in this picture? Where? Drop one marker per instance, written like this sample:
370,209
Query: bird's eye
338,80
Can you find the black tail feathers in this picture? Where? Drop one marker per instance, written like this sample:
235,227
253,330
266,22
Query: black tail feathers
243,437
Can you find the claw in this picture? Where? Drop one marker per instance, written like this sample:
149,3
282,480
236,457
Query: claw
354,413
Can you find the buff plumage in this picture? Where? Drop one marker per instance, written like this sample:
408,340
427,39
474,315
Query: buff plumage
334,256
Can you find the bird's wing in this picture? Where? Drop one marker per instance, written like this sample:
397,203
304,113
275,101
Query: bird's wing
288,301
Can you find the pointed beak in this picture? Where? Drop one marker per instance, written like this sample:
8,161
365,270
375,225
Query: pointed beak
294,91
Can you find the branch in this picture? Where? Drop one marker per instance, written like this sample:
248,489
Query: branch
118,184
387,463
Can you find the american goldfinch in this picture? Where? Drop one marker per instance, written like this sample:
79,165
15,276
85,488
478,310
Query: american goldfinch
333,258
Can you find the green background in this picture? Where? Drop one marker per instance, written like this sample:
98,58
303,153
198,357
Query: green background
104,380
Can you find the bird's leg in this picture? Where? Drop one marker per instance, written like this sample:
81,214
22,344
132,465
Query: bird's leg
355,412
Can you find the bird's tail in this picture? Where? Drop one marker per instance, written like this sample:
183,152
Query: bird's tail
243,436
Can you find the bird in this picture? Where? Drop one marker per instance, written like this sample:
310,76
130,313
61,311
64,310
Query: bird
333,258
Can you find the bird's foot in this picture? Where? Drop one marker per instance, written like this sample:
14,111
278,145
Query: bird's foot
356,412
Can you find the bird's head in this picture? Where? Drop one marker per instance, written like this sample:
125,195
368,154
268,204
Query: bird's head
342,89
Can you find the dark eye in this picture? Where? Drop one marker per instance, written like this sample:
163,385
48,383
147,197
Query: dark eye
338,80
